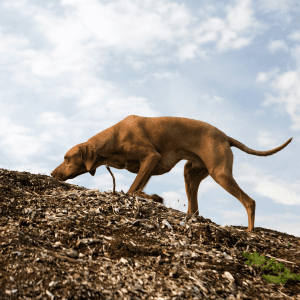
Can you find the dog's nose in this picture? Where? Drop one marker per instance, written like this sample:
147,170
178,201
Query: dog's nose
51,174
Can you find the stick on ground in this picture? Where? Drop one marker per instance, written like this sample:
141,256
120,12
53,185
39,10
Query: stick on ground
114,182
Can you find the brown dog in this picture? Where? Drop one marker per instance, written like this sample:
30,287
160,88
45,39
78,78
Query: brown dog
153,146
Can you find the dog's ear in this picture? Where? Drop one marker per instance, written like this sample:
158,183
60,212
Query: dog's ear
89,156
92,172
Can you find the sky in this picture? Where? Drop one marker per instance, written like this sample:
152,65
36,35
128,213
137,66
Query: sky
70,69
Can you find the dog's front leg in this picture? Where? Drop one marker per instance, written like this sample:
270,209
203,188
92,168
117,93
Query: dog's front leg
146,167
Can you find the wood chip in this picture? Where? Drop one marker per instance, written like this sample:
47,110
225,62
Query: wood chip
62,241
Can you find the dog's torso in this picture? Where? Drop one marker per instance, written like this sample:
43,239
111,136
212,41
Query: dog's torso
173,138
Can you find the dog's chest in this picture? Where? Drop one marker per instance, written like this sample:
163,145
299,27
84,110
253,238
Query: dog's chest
170,158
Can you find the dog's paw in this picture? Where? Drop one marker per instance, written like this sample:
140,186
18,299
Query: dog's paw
152,197
156,198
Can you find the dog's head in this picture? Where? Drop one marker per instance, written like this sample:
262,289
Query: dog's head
78,160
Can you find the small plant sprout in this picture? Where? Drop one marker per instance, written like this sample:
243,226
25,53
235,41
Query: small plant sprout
270,264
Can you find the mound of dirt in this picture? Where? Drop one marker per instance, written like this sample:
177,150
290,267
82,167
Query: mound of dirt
62,241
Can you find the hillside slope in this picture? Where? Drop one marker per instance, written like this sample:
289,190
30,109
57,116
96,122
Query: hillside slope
61,241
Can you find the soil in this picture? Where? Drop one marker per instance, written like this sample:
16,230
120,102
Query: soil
62,241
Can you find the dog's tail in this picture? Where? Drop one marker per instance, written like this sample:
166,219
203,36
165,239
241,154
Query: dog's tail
244,148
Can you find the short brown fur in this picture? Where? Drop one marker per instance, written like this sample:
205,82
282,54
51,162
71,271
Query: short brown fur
153,146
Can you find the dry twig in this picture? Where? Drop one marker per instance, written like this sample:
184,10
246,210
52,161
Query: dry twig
114,182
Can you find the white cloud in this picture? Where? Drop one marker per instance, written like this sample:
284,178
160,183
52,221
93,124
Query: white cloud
277,45
81,38
9,128
266,76
11,44
52,118
207,185
295,35
240,17
240,21
286,86
175,200
27,167
246,172
93,91
235,32
19,146
290,228
278,193
132,25
262,77
259,181
168,75
213,99
19,142
16,141
187,51
265,140
286,81
178,169
232,214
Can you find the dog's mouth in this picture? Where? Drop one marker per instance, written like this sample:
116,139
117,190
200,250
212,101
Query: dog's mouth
73,176
69,177
83,172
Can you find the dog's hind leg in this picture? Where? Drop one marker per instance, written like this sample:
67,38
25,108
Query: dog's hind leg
192,178
229,184
220,169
